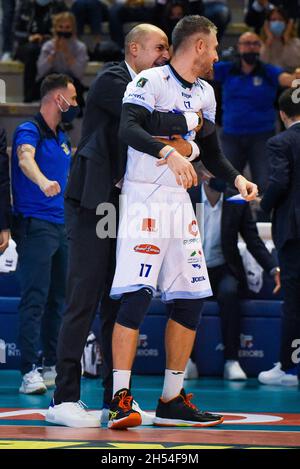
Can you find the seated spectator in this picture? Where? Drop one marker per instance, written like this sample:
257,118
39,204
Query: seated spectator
249,90
8,10
33,28
169,12
219,13
223,220
64,53
257,11
92,13
280,47
123,11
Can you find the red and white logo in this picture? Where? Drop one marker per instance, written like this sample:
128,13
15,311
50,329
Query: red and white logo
193,228
149,224
147,249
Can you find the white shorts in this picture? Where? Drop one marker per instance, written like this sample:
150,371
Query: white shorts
159,244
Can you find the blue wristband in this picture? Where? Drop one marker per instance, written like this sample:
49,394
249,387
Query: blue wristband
168,153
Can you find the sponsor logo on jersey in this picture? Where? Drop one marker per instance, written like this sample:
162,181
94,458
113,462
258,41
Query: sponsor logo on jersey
142,82
185,95
186,242
149,224
196,266
147,249
195,257
197,279
137,96
65,148
193,228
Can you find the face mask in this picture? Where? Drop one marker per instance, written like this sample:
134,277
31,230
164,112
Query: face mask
65,34
69,114
217,184
277,28
250,57
43,3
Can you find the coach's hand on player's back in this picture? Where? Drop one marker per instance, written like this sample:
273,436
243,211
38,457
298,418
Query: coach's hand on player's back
183,170
246,188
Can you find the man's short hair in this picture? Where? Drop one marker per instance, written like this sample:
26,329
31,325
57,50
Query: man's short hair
188,26
54,82
289,102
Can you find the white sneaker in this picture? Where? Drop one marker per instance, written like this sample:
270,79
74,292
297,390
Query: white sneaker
6,57
71,414
233,371
49,375
191,370
33,383
147,419
278,377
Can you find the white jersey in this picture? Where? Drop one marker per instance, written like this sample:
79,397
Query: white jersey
159,89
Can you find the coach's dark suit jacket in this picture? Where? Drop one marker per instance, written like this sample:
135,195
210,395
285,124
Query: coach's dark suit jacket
4,184
100,160
237,218
283,193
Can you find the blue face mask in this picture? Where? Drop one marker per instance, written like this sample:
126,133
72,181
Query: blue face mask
43,3
69,114
277,28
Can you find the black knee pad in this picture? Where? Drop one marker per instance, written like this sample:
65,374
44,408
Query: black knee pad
134,307
187,313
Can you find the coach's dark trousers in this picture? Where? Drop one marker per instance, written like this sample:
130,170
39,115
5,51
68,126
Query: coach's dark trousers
91,267
289,261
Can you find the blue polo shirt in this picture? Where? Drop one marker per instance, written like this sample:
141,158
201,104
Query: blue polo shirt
248,100
53,156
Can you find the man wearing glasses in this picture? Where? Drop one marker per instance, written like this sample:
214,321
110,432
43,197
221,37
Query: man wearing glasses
249,90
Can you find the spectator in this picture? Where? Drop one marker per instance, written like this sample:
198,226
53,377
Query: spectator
8,10
283,196
257,11
249,89
280,47
33,27
123,11
40,165
219,13
169,12
91,12
5,210
223,220
64,53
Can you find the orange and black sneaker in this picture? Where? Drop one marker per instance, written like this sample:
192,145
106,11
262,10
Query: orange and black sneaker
180,412
121,413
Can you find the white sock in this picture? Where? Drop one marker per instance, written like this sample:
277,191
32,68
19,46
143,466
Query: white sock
121,379
173,384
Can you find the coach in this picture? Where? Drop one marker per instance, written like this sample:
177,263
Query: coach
283,196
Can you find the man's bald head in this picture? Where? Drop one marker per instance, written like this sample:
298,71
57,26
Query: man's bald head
249,42
146,46
140,34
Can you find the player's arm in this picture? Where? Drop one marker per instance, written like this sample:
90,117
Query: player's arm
214,160
132,133
28,165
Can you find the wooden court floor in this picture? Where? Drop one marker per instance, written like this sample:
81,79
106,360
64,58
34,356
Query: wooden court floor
256,416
